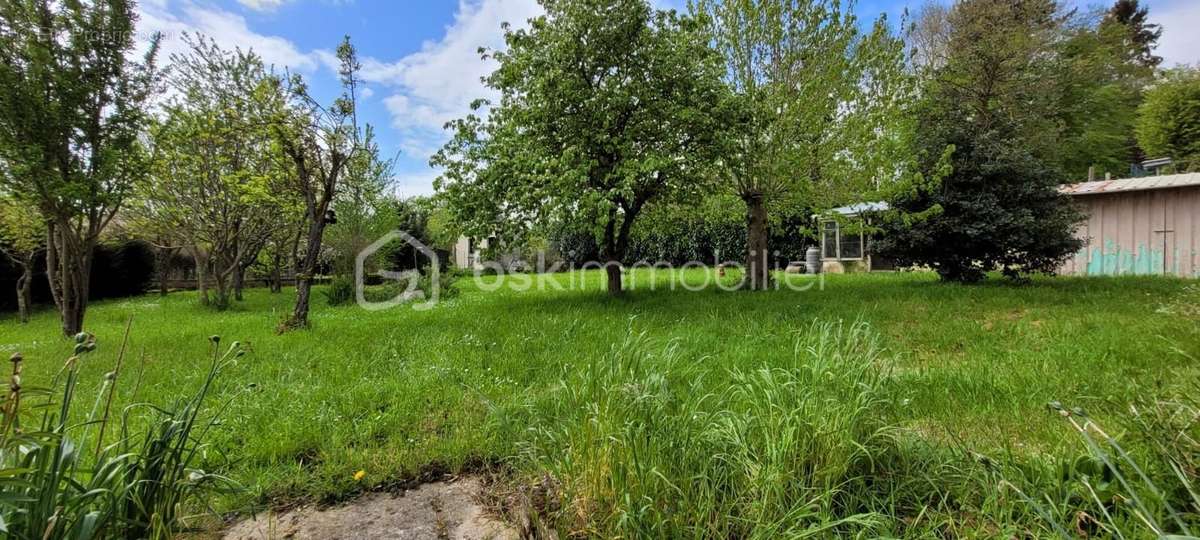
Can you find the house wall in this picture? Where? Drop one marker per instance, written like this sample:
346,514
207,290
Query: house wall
462,252
468,253
1152,232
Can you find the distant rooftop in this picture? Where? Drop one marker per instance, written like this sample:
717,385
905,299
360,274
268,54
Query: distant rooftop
859,208
1132,184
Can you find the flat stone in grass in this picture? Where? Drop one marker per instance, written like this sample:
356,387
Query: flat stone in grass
436,511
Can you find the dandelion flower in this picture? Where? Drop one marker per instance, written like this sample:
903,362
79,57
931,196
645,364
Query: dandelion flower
359,475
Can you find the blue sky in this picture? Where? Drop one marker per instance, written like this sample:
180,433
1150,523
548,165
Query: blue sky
420,63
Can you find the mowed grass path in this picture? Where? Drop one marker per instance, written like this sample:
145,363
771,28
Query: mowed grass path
401,392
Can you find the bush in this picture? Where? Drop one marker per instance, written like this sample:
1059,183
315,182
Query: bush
677,234
61,480
1168,123
445,283
340,291
1000,209
119,270
424,285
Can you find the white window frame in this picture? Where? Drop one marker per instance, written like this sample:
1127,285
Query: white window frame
862,243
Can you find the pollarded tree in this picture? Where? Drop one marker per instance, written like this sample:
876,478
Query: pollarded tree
22,238
1168,122
320,142
821,108
605,106
73,106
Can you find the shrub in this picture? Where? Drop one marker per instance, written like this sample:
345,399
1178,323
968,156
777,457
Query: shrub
60,480
340,291
445,283
1168,123
119,270
424,285
713,229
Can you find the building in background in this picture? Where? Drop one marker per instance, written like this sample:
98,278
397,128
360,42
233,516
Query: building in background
468,252
844,245
1143,226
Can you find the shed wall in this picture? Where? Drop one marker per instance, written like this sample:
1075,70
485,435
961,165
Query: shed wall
1153,232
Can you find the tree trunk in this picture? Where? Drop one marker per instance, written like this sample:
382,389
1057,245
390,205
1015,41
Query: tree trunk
24,290
277,273
221,298
68,267
758,274
201,276
239,282
224,268
616,242
163,268
611,255
612,270
52,264
308,269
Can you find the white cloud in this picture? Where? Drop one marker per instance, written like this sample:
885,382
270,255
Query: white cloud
409,184
228,29
262,5
438,83
1180,42
425,89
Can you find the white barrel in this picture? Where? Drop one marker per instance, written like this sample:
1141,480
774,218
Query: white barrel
812,260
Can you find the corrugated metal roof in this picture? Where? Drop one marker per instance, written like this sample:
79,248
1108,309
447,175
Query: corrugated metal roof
1132,184
859,208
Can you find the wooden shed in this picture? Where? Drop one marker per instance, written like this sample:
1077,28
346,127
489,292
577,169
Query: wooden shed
1144,226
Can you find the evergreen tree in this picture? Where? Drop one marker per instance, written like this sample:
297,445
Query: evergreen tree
993,101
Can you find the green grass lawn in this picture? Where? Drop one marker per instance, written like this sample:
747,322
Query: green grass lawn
402,392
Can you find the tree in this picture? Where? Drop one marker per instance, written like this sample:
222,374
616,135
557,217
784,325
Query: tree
1168,123
605,106
147,220
993,101
928,37
22,238
215,183
820,108
1139,37
361,205
72,109
1105,64
320,142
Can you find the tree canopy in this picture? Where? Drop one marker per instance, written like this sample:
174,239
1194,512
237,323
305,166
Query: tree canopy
73,108
1168,123
604,107
992,100
820,108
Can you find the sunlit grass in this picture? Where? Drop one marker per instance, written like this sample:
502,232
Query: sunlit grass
401,392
